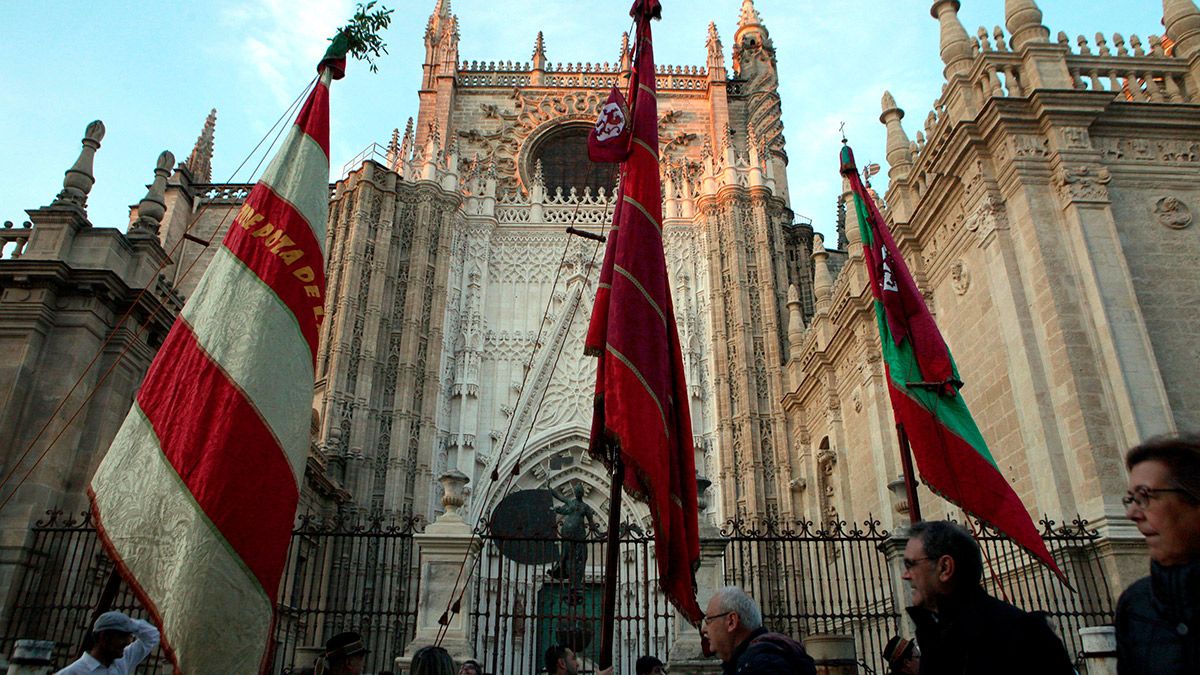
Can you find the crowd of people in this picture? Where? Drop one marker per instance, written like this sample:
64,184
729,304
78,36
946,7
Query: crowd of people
960,628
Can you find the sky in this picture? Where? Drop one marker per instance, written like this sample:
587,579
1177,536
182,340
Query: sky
153,70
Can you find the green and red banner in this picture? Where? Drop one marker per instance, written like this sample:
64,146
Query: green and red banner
641,395
196,498
923,384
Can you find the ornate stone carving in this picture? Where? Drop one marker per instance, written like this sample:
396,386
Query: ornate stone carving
1173,213
1142,150
1075,137
1023,147
960,277
1083,183
503,146
988,217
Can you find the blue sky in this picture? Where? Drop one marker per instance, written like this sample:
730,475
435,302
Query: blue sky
152,70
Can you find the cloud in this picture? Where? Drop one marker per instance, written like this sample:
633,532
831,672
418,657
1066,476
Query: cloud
284,39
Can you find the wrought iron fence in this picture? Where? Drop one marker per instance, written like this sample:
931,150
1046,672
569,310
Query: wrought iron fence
817,581
531,592
67,573
342,574
1012,574
361,575
349,574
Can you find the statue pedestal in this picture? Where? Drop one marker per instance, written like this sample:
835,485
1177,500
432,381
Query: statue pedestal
687,656
833,654
1099,650
444,552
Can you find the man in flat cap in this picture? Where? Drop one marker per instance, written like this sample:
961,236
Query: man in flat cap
119,645
345,654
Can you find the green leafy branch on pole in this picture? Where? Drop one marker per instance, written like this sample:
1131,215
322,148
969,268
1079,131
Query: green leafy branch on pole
362,34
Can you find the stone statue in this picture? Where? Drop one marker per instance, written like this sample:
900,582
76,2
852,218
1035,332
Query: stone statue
578,519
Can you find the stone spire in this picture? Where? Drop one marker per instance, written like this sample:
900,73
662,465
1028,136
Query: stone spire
795,319
822,280
753,51
78,181
899,153
393,150
1182,19
955,45
748,16
199,163
441,44
1024,22
154,205
406,144
716,53
539,52
626,57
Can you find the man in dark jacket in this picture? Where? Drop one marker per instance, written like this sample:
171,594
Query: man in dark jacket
733,626
961,629
1158,617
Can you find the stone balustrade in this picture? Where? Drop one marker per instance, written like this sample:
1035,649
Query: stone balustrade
576,75
18,237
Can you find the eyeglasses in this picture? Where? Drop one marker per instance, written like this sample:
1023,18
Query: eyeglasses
910,563
1141,495
714,617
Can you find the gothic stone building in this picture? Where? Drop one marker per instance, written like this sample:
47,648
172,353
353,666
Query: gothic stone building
1045,208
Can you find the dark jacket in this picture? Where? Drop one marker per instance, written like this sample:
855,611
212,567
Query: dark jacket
980,635
767,653
1158,622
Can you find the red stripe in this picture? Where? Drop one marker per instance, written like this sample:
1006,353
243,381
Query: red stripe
271,237
314,116
224,452
955,470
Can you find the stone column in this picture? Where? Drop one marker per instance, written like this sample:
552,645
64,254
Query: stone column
833,654
443,549
893,550
686,654
31,657
1099,650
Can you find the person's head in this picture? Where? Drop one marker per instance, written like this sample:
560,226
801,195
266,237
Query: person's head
561,660
111,633
730,618
902,656
578,490
941,561
470,667
1164,496
346,654
432,660
649,665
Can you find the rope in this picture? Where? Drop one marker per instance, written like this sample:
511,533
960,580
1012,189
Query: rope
124,318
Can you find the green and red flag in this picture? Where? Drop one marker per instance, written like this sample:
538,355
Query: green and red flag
641,395
923,384
196,497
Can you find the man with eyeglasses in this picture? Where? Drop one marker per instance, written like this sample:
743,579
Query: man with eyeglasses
1158,617
733,625
961,629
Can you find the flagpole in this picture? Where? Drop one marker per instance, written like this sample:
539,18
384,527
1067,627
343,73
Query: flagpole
910,476
611,561
108,595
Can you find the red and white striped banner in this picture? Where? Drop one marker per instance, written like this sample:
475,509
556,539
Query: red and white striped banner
196,497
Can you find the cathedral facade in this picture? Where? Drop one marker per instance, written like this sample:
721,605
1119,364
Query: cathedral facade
1045,209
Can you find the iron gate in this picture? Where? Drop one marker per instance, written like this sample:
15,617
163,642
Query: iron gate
341,574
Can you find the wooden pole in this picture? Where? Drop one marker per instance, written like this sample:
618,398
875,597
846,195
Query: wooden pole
910,477
108,595
611,561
